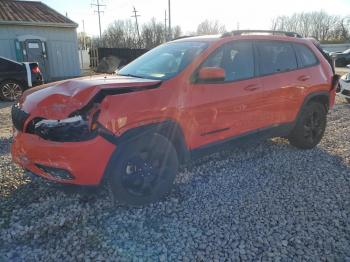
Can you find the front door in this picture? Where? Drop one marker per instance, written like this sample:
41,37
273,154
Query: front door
36,53
231,107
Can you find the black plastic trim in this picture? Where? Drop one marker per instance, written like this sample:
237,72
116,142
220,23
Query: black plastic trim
215,131
249,137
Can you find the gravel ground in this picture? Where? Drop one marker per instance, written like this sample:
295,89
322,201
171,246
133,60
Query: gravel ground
264,202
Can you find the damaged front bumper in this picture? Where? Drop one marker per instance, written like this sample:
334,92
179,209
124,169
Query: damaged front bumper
80,163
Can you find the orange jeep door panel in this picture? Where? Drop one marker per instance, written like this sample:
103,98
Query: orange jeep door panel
231,107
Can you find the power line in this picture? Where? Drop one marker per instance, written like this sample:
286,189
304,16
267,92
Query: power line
137,22
98,11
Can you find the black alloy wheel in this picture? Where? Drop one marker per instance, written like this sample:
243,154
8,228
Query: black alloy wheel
143,170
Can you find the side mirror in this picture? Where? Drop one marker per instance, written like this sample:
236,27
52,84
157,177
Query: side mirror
211,74
348,66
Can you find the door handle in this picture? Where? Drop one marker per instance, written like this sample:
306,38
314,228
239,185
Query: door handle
304,78
252,87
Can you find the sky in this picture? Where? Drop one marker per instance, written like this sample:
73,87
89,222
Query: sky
248,14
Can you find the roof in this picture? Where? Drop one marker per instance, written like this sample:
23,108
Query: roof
13,12
248,35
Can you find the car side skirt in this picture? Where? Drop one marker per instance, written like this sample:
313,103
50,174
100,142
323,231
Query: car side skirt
248,138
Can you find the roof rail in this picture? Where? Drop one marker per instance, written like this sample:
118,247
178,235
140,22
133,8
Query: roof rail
181,37
272,32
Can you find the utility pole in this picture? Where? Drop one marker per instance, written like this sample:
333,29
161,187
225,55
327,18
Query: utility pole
165,26
84,40
169,7
137,22
98,11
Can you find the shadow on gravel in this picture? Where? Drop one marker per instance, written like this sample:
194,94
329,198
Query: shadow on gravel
5,144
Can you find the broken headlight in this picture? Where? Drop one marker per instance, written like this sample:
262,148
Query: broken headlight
72,129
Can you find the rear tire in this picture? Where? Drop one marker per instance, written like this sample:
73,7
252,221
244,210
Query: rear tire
10,90
310,126
143,170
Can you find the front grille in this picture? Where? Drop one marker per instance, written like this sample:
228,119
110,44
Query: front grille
56,172
19,117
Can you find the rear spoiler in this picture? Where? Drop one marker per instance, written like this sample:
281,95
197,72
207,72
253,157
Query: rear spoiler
325,55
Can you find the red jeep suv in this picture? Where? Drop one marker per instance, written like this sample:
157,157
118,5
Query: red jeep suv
180,100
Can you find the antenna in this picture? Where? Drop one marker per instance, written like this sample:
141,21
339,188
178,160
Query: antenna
98,11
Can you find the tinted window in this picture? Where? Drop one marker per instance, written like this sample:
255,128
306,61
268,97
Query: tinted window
165,61
276,57
9,65
235,58
306,56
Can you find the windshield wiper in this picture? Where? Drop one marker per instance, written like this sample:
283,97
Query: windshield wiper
131,75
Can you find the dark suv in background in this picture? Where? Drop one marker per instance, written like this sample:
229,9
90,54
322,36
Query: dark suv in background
17,77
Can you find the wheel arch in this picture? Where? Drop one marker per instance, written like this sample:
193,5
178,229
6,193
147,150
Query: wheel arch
170,129
20,82
321,97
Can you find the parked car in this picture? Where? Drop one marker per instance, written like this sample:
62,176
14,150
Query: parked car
343,89
175,103
342,59
17,77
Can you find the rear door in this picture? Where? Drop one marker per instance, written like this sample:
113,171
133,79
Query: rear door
283,84
220,110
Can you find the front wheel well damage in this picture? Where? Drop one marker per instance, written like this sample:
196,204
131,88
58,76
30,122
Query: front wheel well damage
169,129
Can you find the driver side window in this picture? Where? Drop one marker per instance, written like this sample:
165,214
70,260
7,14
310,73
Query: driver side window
236,58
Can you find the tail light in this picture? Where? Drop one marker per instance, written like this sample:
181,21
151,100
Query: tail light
36,70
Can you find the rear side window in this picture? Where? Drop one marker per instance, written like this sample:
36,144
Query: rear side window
275,57
305,55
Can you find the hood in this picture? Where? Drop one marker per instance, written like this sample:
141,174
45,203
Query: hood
60,99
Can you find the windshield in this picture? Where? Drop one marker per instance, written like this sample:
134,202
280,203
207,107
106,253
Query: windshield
165,61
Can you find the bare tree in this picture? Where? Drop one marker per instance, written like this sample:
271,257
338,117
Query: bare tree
319,25
123,34
84,41
153,34
208,27
176,32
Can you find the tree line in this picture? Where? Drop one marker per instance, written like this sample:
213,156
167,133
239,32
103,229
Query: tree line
318,24
124,34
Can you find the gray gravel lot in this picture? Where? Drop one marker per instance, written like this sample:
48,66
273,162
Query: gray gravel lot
264,202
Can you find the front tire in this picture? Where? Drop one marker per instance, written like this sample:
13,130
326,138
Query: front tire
143,170
10,90
310,126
